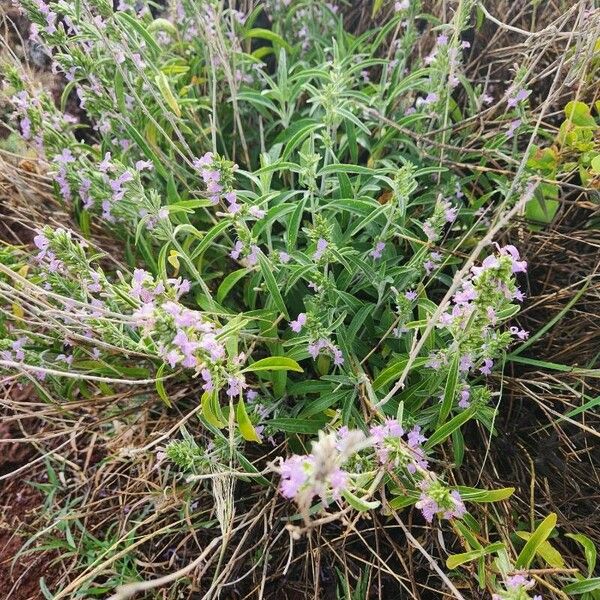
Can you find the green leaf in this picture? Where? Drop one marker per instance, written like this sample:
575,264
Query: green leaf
132,132
455,560
581,587
377,4
588,547
160,386
211,410
165,89
359,503
130,23
549,554
246,428
290,425
476,495
539,535
579,114
272,286
449,391
394,370
209,237
229,282
267,34
274,363
441,433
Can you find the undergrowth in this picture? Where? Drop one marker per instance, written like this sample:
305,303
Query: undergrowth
279,298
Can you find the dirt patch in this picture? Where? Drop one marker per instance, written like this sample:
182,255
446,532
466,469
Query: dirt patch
19,579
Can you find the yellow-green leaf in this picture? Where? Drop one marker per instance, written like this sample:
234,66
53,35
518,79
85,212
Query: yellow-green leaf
548,553
246,428
210,412
539,536
274,363
165,89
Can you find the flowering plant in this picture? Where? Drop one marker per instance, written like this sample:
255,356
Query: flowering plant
293,261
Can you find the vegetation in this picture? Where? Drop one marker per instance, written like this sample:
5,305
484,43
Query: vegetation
269,313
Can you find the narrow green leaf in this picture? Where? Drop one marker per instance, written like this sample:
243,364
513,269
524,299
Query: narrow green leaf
588,547
582,587
359,503
539,535
246,428
210,412
477,495
551,556
455,560
160,386
272,286
165,89
209,237
441,433
229,282
290,425
274,363
267,34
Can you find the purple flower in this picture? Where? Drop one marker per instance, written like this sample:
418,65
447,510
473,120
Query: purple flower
204,161
237,250
140,165
442,39
284,257
296,326
26,128
512,127
410,295
519,579
429,231
235,386
450,212
208,381
256,212
465,396
106,164
486,369
321,247
172,358
42,243
514,99
378,250
94,287
465,363
294,474
520,333
252,257
210,344
518,266
431,98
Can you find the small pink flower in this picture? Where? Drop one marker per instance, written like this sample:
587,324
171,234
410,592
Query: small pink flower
296,326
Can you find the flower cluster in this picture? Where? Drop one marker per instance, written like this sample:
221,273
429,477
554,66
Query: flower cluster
388,448
319,473
319,344
443,213
437,499
396,448
517,585
475,313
